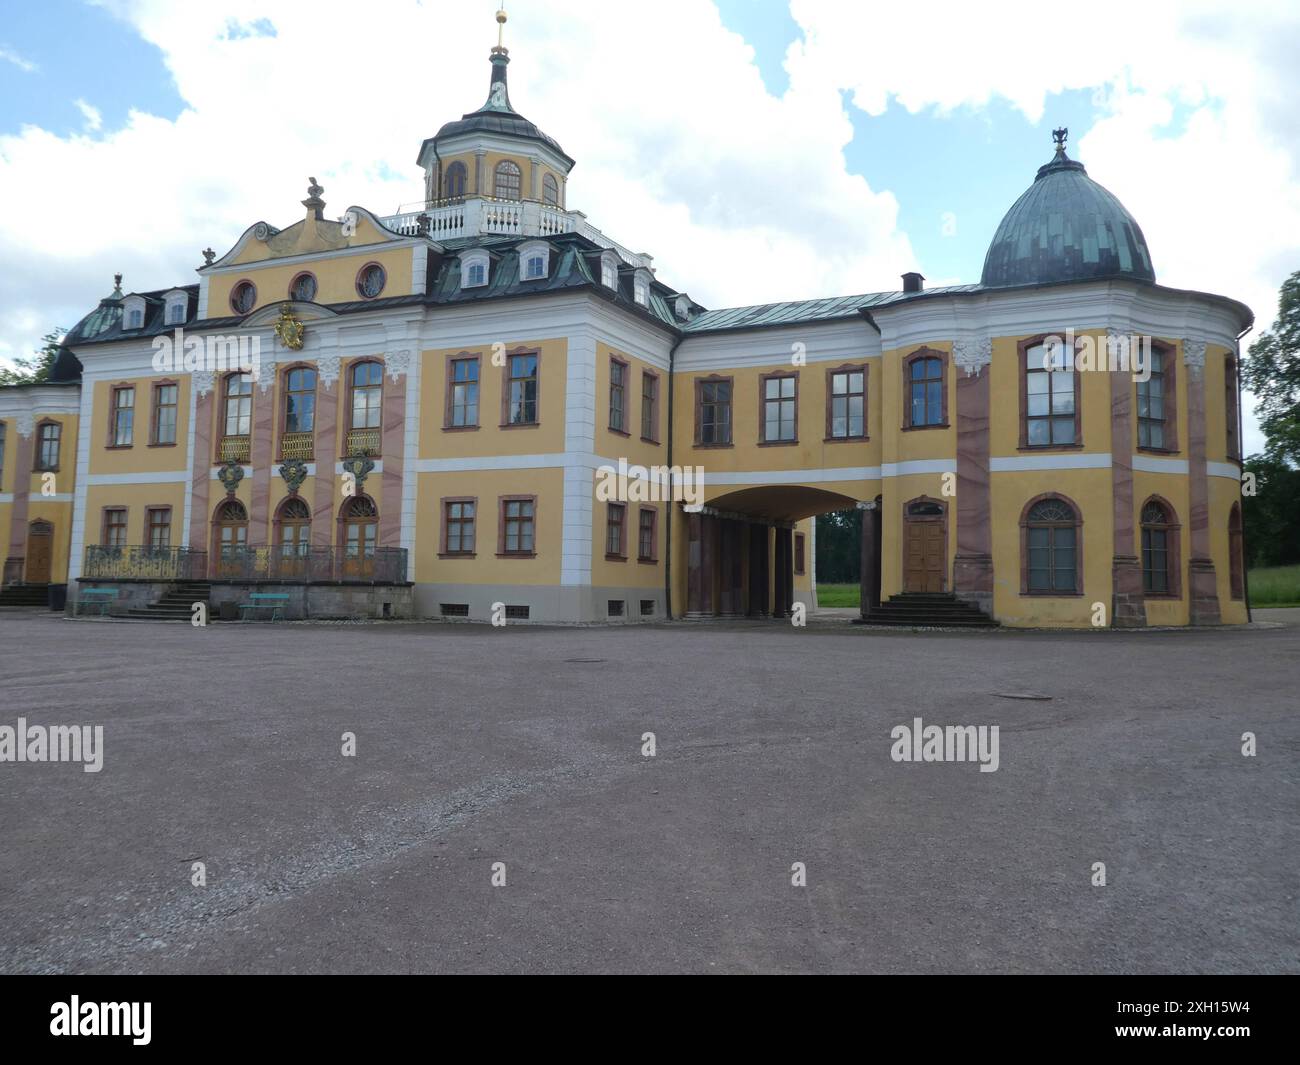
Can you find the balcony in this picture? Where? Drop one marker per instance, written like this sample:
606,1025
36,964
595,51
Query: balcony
297,446
144,563
233,449
362,442
483,216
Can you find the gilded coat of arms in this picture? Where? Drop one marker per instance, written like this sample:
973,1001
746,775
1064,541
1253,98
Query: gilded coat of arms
289,330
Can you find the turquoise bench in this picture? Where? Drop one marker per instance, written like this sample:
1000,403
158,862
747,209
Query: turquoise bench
275,602
100,597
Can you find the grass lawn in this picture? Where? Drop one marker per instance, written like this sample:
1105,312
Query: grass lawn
838,595
1272,586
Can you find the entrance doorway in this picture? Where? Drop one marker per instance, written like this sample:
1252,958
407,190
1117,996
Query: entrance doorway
925,546
40,552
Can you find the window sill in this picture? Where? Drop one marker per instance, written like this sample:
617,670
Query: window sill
615,558
520,425
516,554
1052,595
711,447
461,428
650,440
162,444
1050,447
778,443
919,428
648,561
845,439
458,554
620,432
1157,450
118,447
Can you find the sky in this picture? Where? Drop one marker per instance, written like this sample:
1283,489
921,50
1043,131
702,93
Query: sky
759,149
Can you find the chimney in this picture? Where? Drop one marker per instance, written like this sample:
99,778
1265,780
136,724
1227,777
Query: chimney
912,282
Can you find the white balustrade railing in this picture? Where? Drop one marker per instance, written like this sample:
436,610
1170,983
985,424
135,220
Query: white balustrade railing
483,216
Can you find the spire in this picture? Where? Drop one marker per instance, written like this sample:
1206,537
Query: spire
1060,161
498,95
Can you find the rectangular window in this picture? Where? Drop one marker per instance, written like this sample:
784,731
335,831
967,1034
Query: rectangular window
713,412
165,402
615,528
158,527
616,607
462,393
799,559
1049,397
617,396
1155,561
646,539
649,406
847,409
123,415
1051,564
458,520
1230,409
1151,406
518,517
780,420
48,438
521,390
115,527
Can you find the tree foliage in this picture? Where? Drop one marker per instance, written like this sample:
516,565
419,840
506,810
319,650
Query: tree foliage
36,368
1272,373
839,552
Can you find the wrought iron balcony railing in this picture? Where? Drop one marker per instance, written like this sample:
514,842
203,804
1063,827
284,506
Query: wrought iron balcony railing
233,447
383,565
297,446
145,563
362,442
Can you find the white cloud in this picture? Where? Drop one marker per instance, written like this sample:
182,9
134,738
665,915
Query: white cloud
8,55
93,118
742,197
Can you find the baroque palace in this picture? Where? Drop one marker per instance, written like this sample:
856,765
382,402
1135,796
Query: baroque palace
436,395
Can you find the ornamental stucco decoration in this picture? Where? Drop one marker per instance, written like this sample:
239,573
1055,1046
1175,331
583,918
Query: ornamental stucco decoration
230,474
359,466
972,354
397,363
203,380
327,369
294,473
1194,357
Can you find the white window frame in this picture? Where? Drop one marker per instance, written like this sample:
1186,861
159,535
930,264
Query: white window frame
468,262
174,300
609,269
641,287
532,250
132,305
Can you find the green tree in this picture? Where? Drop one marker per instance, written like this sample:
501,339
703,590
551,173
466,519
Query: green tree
37,368
1272,514
1272,373
839,539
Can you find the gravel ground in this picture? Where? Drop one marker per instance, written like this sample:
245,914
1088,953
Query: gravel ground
523,746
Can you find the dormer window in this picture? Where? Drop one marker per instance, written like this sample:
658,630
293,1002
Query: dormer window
175,314
534,260
474,269
641,287
609,270
133,313
177,308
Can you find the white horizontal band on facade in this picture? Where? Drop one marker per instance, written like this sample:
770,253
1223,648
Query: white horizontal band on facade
1224,469
905,469
846,473
1152,464
1028,463
159,477
6,497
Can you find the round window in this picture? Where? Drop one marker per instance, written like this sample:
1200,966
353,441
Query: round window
370,282
303,288
242,297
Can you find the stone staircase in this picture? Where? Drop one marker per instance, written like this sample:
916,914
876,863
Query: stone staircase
177,604
25,595
929,609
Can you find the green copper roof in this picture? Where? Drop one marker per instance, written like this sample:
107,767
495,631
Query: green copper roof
794,312
1066,227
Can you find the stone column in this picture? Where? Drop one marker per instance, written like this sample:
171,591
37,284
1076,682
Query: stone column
784,575
731,567
393,448
758,570
869,577
1127,606
1202,584
695,587
24,454
201,504
326,449
973,561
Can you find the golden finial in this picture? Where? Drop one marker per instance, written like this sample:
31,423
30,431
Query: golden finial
501,26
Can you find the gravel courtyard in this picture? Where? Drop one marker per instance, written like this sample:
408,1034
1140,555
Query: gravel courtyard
523,746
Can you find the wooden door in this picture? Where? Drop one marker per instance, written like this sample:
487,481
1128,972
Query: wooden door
924,549
40,550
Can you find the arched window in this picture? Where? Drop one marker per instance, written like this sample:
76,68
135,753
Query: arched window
924,390
1050,529
508,177
1236,573
299,413
550,190
454,182
237,417
367,383
229,538
1160,567
358,535
294,528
